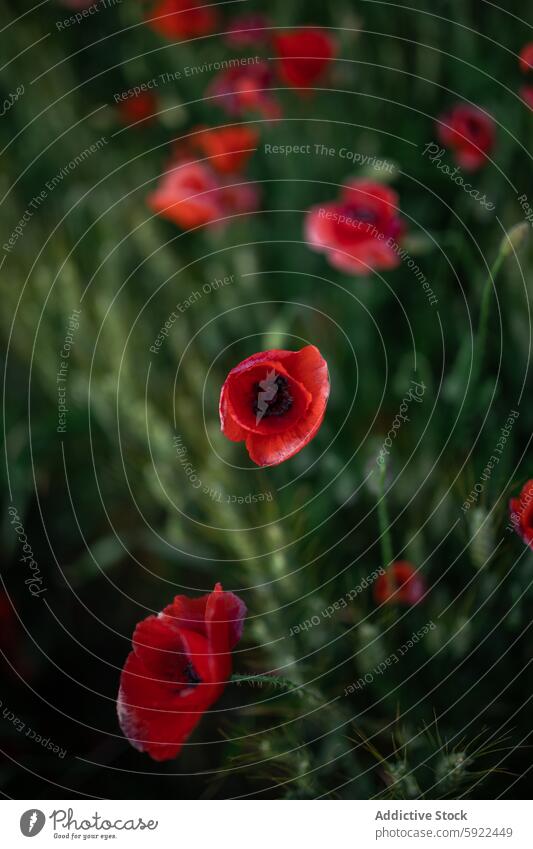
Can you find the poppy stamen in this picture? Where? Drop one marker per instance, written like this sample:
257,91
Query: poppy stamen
272,397
190,674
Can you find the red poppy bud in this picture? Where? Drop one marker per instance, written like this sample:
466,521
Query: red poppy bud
469,133
183,18
521,513
526,58
140,108
304,56
275,401
401,583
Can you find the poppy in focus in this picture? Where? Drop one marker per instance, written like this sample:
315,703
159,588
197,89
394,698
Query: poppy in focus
183,18
469,133
179,667
360,231
401,583
303,56
521,513
192,193
275,401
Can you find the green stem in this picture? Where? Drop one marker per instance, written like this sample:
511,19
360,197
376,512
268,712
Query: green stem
383,516
481,336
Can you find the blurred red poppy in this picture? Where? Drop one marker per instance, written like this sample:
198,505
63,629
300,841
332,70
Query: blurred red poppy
526,93
245,89
401,583
469,133
228,148
140,108
192,193
275,401
248,30
521,513
526,58
359,232
304,56
183,18
178,668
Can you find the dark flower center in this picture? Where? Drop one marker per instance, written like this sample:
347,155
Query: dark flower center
272,397
190,674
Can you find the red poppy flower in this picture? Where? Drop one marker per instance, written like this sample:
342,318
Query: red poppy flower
192,194
521,513
183,18
401,583
178,668
526,93
469,133
303,56
359,232
248,30
228,148
141,107
526,58
246,89
275,401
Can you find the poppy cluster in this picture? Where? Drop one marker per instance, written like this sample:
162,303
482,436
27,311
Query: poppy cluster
302,59
469,133
203,183
359,232
179,667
